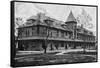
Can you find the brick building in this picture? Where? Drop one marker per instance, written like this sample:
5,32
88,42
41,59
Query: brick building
41,29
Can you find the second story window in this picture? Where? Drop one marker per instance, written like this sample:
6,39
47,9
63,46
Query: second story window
20,32
54,33
42,31
67,34
34,31
48,22
62,34
57,33
27,32
23,33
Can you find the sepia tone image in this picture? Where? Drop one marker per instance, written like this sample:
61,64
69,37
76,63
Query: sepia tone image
49,34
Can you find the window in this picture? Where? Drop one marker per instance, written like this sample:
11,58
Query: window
30,31
27,32
85,31
57,33
23,32
67,34
48,22
34,31
62,34
19,32
50,34
43,31
29,21
54,33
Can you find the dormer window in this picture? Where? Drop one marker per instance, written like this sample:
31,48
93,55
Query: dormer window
78,30
85,31
32,20
91,33
48,22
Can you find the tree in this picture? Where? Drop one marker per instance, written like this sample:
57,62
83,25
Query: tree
56,46
48,24
45,42
84,18
18,22
44,46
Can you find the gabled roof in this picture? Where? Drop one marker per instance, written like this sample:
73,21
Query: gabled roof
56,23
71,17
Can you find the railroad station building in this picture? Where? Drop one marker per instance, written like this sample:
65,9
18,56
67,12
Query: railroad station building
43,30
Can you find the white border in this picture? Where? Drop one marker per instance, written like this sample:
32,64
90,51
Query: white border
5,34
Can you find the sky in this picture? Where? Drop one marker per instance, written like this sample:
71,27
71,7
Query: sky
59,12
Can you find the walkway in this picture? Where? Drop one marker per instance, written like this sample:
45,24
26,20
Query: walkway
60,52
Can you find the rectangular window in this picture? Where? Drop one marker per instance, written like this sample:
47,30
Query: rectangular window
54,33
20,32
34,31
62,34
57,33
43,31
23,32
27,32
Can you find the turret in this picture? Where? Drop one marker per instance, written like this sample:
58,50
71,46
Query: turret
72,24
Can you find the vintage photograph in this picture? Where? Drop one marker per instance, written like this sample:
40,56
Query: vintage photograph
51,33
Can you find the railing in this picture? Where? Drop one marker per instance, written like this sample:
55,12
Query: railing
40,36
64,38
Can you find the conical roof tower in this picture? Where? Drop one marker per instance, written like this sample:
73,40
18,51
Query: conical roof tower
71,17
